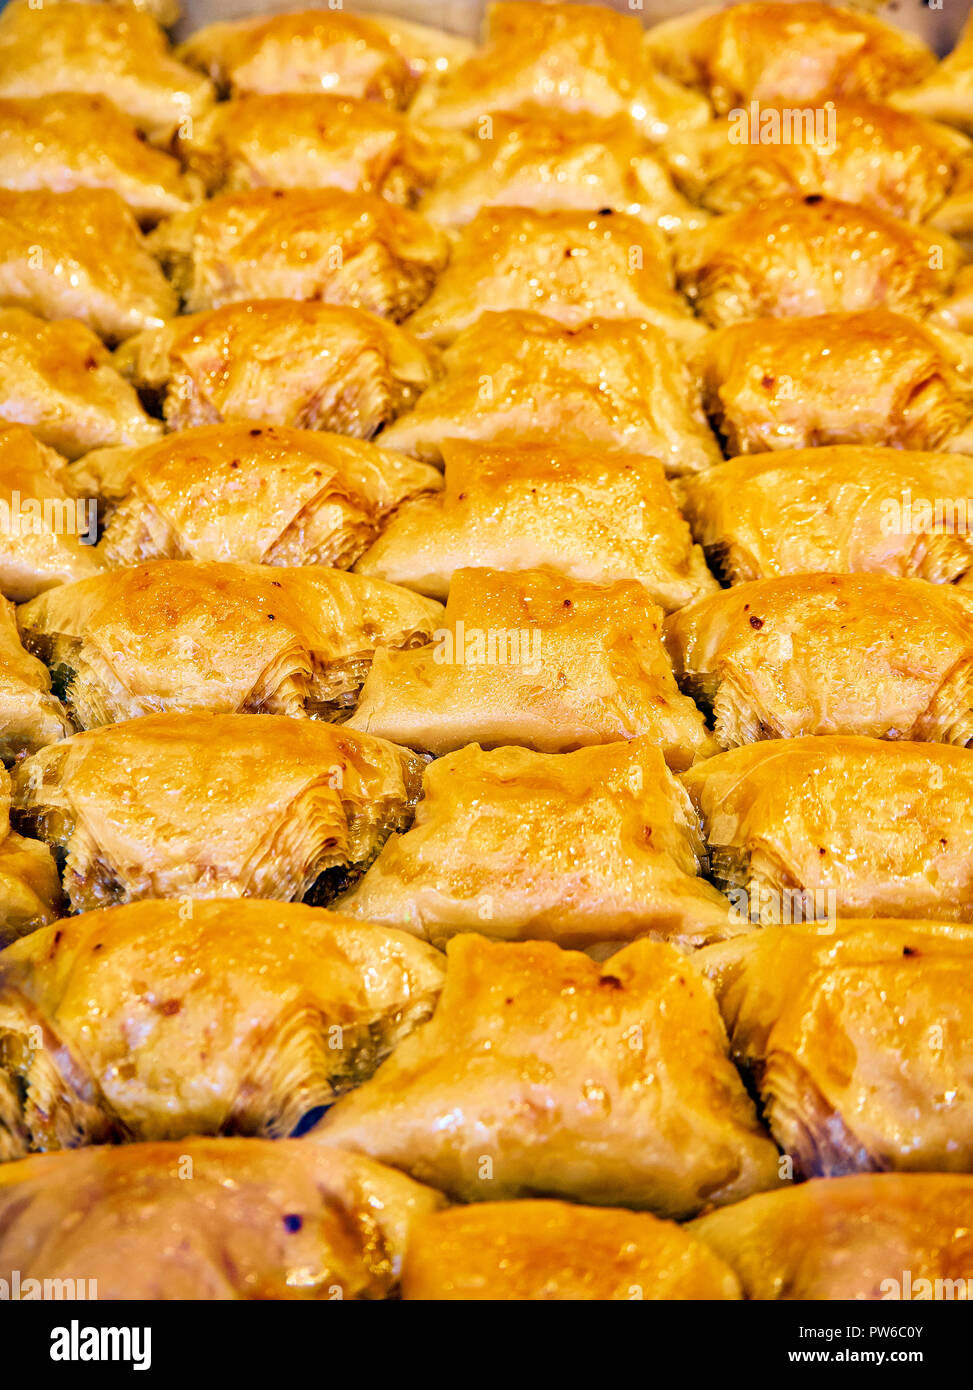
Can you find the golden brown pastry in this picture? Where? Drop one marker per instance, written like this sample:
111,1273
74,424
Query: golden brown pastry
542,1073
72,140
842,510
828,654
955,216
854,827
945,93
30,897
59,379
858,1042
80,255
209,1219
536,659
790,257
584,849
556,162
230,638
808,52
323,50
558,1250
861,378
853,150
30,716
47,526
301,364
107,50
573,58
880,1236
343,248
163,1019
586,513
570,266
302,140
214,805
610,383
260,494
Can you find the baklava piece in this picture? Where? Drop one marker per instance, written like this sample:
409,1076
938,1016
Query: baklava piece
573,58
214,805
880,1236
355,249
30,716
535,659
610,383
258,494
807,828
805,52
247,1017
300,364
30,897
793,257
71,140
229,638
569,266
80,255
553,162
113,51
210,1219
300,140
946,93
853,150
542,1073
584,849
829,654
542,1251
586,513
841,510
60,380
893,996
44,520
865,378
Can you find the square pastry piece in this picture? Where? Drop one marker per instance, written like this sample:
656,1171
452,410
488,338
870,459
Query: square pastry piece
533,1250
586,513
864,378
571,58
214,805
611,384
792,257
301,140
248,1016
301,364
892,995
829,654
261,494
230,638
80,255
344,248
854,1238
555,162
584,849
543,1073
819,827
30,897
569,266
59,379
78,140
836,510
947,92
808,52
107,50
260,1219
536,659
30,716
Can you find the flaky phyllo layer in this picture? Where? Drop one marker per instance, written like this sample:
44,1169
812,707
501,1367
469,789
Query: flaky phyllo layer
257,493
247,1016
207,805
229,638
